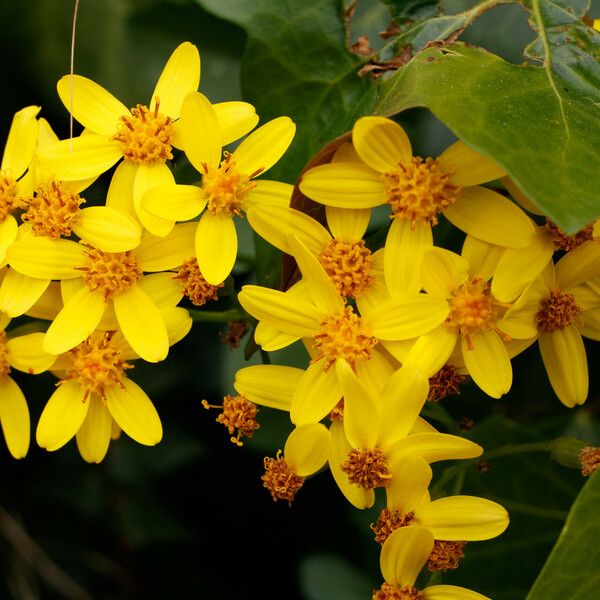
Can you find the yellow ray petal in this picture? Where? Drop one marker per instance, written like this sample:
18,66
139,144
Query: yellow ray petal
134,412
93,437
108,229
519,320
235,119
565,361
316,394
482,257
491,217
18,293
216,247
451,592
346,153
381,143
307,448
179,76
21,142
268,385
14,417
591,325
26,353
146,178
431,351
178,322
48,305
411,477
93,106
168,252
434,447
164,290
467,166
488,363
404,554
174,202
266,192
270,339
519,196
62,416
75,322
8,234
579,265
375,372
142,324
443,271
264,146
120,190
345,185
347,225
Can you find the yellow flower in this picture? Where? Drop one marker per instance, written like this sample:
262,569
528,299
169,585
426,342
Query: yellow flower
403,555
418,190
228,186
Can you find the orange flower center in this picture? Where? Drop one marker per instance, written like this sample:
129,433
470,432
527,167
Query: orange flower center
53,210
557,312
349,266
110,273
225,188
343,336
367,468
4,364
589,458
9,201
280,479
389,521
195,287
237,413
391,592
145,137
418,190
96,364
563,241
446,382
445,555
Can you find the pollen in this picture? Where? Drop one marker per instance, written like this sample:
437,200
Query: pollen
445,555
337,413
343,336
473,309
96,364
280,479
9,201
367,468
53,210
563,241
589,458
391,592
110,273
557,312
349,266
145,136
225,188
237,414
4,364
195,287
389,521
446,382
418,190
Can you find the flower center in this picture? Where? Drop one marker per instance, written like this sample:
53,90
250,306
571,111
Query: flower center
53,210
337,412
343,336
390,520
563,241
557,312
589,458
9,201
280,479
367,468
446,382
4,364
445,555
195,287
418,190
225,188
237,413
349,265
110,273
391,592
145,136
472,309
96,365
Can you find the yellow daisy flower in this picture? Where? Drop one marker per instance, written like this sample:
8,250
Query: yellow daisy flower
227,188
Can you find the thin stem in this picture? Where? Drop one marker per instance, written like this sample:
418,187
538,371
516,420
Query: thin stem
511,449
213,316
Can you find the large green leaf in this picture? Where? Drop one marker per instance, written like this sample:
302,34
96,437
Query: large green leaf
542,129
572,569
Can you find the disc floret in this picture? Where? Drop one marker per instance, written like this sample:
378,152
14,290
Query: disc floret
110,273
557,311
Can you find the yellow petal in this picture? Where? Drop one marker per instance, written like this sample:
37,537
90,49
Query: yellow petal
451,592
93,437
579,265
14,417
520,196
62,416
463,518
108,229
519,320
345,185
316,394
264,146
134,412
443,271
591,325
266,192
93,106
75,322
347,225
21,142
142,324
411,477
269,339
200,132
120,190
180,76
178,322
146,178
468,167
346,153
164,290
174,202
26,353
307,448
235,119
431,351
49,304
268,385
482,257
381,143
488,363
565,361
404,553
491,217
18,293
8,234
168,252
216,247
434,447
375,372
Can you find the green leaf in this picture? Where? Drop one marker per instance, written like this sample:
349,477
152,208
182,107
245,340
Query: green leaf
542,130
412,10
571,571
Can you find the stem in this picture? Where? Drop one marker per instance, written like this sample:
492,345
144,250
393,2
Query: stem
438,413
511,449
224,316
